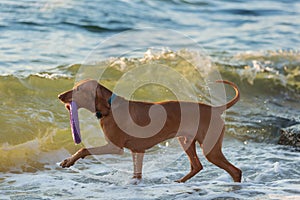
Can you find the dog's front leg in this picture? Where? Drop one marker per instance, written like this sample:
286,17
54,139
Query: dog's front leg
137,164
82,153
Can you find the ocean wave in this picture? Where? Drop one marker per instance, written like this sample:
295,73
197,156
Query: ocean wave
99,29
32,155
34,122
277,68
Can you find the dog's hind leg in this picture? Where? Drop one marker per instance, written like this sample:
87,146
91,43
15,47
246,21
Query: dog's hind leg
137,164
216,157
194,160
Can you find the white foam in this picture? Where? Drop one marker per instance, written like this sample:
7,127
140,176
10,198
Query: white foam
265,177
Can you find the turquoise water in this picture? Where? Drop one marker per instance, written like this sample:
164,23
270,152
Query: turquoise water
46,46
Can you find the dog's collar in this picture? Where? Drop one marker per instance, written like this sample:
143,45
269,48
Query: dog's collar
99,115
111,98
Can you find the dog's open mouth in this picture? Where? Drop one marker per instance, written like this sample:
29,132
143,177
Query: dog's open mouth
68,106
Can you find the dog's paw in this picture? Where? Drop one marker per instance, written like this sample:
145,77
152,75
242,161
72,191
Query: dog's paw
180,181
135,181
67,162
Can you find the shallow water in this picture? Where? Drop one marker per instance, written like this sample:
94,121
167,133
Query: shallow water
266,169
46,46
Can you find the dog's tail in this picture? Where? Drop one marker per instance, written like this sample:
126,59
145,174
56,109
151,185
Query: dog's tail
232,101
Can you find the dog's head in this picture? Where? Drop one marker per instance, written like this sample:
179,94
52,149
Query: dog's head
88,94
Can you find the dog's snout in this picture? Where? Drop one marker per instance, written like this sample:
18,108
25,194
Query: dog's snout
60,96
66,96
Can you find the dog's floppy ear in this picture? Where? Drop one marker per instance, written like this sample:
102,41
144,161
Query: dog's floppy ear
101,100
103,92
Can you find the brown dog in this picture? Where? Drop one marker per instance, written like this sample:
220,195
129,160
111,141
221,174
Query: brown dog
139,126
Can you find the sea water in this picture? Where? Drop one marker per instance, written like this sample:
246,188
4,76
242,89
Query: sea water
47,46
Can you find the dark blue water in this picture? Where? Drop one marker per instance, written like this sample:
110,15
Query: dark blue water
37,35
